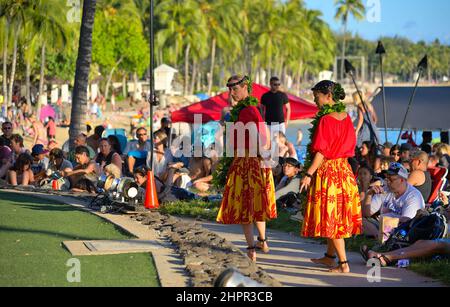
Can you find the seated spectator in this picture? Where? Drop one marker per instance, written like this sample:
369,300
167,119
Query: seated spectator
384,166
7,129
5,160
58,164
395,153
286,149
406,164
405,150
17,146
419,177
137,150
420,249
162,156
166,128
289,186
40,162
115,144
112,170
433,161
86,169
94,140
401,201
368,155
387,149
442,152
80,140
21,172
107,156
365,177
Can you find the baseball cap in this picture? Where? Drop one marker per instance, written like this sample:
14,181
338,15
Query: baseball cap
396,168
292,161
38,149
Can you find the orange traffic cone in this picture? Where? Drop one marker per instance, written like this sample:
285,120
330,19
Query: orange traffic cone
151,196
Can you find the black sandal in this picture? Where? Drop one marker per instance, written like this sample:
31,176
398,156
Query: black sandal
328,256
262,241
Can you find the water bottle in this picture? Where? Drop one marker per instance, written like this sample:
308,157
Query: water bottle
403,263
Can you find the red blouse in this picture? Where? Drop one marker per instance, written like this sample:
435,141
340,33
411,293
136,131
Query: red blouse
334,138
250,114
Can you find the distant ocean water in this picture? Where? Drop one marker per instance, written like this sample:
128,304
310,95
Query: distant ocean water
304,125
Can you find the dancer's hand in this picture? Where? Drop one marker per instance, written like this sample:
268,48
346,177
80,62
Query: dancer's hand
305,183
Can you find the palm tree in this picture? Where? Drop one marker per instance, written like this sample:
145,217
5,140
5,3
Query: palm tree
222,27
79,100
50,29
14,11
346,8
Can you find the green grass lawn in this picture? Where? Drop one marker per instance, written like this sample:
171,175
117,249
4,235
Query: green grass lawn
31,235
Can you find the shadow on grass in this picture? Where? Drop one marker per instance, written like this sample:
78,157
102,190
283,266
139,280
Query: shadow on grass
67,236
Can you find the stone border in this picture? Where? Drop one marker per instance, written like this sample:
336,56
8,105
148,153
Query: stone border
205,254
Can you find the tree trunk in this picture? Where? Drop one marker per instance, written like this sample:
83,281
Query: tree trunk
78,113
194,76
5,70
124,86
42,75
14,62
27,82
136,96
186,69
211,70
343,48
108,82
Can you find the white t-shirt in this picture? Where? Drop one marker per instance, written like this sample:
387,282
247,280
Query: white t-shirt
404,206
160,167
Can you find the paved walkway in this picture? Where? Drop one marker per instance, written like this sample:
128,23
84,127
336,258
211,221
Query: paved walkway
288,262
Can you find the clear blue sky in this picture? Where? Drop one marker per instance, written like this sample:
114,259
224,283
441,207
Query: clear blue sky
415,19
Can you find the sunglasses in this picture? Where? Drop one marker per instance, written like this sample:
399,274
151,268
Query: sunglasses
276,84
6,128
144,134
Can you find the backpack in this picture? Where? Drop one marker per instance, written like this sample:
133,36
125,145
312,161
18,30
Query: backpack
425,226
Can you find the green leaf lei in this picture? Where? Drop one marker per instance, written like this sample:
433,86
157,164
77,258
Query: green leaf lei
220,175
326,109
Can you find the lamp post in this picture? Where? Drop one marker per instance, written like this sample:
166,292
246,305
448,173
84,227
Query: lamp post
151,97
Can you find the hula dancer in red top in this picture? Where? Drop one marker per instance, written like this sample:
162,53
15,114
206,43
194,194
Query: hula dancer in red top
333,210
249,195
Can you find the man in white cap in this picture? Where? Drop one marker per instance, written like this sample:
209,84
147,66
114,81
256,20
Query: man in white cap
399,200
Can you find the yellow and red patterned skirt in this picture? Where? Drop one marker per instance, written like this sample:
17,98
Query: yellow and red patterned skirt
334,209
249,194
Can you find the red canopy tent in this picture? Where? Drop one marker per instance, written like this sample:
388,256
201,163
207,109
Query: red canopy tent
211,109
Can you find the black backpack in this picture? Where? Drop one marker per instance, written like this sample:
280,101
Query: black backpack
425,226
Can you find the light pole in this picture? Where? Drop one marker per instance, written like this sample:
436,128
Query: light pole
380,51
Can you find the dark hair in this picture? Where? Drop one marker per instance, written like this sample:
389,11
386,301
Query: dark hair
56,153
98,130
394,148
88,128
6,123
367,167
326,87
82,149
141,171
22,160
115,144
274,79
